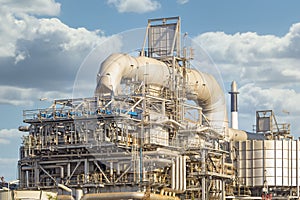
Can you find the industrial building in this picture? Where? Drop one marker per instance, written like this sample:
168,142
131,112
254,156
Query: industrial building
156,128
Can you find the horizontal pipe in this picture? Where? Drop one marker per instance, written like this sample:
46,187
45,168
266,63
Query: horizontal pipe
165,162
161,151
126,195
24,128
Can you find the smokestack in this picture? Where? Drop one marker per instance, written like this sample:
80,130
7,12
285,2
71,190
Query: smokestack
234,108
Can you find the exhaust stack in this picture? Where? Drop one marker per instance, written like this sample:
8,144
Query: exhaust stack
234,107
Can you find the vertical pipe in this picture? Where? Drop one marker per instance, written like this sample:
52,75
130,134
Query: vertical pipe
118,169
289,161
69,170
137,170
203,167
173,181
141,163
86,170
203,188
21,176
297,167
223,181
275,163
282,161
223,189
265,183
36,174
184,173
144,174
177,173
27,178
111,170
253,174
181,173
163,108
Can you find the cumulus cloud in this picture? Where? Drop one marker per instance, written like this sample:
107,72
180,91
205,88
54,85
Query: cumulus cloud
271,98
266,68
15,20
252,57
135,6
39,56
6,135
34,7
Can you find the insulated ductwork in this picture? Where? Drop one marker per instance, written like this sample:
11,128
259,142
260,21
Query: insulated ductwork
207,93
200,87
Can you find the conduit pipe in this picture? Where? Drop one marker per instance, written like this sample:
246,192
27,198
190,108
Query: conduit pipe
181,178
161,151
184,172
177,187
173,179
126,195
118,66
201,87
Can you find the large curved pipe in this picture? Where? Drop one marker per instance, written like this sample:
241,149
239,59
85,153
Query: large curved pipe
207,93
201,87
116,67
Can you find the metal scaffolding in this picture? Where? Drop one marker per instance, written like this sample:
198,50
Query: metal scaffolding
147,142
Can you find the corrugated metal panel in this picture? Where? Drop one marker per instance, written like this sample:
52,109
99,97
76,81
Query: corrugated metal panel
276,161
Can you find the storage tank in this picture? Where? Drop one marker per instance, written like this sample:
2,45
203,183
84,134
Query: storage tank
269,163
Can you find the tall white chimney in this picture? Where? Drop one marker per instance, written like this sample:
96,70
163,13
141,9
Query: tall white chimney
234,107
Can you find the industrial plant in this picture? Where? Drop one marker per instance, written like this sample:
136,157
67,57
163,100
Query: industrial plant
156,128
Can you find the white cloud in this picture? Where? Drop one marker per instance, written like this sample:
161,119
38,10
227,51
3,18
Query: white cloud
34,7
39,57
266,68
27,96
284,103
52,32
6,135
20,56
269,98
240,47
15,96
17,24
250,57
15,20
293,73
182,1
135,6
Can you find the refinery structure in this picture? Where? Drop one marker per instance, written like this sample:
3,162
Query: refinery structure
156,128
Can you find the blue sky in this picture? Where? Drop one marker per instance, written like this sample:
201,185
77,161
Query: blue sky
263,17
44,42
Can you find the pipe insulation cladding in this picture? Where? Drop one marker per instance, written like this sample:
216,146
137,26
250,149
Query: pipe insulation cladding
202,88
